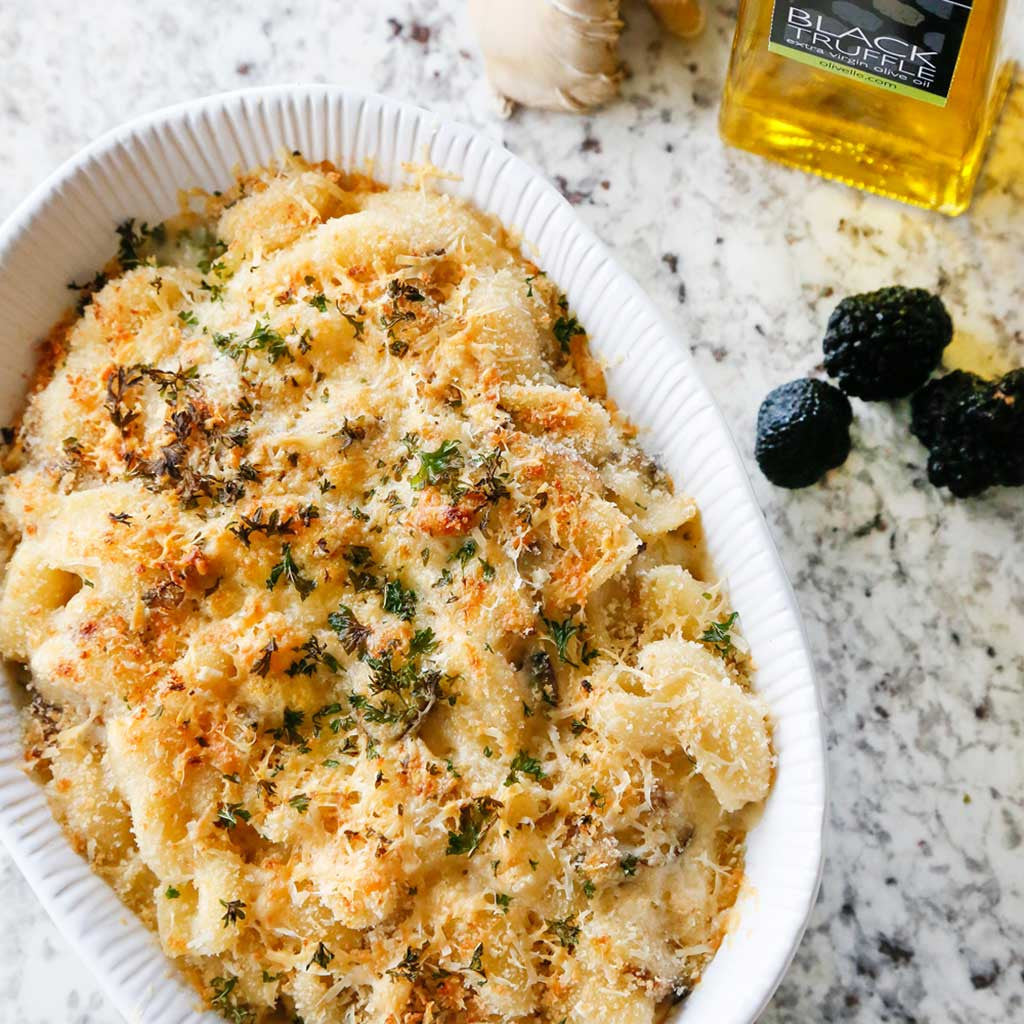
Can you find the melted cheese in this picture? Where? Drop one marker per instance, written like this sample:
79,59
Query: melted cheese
370,657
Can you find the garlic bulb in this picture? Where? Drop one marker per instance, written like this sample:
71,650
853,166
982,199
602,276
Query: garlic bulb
562,54
559,54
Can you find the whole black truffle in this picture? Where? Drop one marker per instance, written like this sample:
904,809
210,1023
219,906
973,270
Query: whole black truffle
885,344
973,429
803,430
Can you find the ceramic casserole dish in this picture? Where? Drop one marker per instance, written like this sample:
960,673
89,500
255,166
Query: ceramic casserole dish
65,229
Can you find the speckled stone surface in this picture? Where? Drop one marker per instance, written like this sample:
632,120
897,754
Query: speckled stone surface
914,602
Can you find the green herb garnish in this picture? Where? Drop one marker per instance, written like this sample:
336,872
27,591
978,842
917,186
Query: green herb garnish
352,633
292,574
399,600
566,328
526,764
408,967
566,931
322,957
234,911
437,466
718,634
475,821
229,815
262,338
314,653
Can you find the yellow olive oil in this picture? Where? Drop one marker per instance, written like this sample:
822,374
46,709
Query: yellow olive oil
894,96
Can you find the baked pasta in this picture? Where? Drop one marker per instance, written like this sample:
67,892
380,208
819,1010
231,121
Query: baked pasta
367,656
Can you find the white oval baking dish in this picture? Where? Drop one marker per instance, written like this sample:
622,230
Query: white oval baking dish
64,230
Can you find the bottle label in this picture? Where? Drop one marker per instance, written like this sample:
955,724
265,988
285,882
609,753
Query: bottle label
909,47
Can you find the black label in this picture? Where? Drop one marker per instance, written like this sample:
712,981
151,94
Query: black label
907,46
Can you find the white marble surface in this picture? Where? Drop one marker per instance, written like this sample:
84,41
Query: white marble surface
914,602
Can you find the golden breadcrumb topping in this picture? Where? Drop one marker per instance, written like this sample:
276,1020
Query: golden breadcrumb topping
369,658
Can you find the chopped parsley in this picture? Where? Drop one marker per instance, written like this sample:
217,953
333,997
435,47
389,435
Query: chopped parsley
171,893
629,865
350,433
131,242
475,821
291,720
503,901
357,325
122,378
565,329
319,302
408,967
229,815
718,635
398,600
351,632
329,711
262,338
423,642
300,802
438,466
360,576
493,484
292,574
314,654
464,553
566,931
527,765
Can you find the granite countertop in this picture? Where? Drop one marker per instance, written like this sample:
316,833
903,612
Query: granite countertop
914,602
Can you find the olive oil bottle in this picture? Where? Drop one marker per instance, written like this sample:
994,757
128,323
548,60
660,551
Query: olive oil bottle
894,96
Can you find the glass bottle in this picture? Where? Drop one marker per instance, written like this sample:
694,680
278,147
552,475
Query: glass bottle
894,96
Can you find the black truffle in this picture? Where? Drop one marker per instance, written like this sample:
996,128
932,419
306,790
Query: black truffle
803,430
886,343
973,429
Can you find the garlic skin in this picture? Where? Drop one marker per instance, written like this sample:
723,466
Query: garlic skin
555,54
